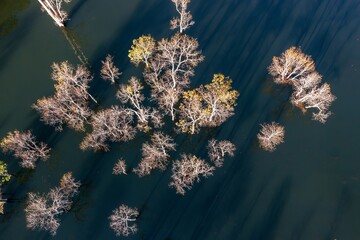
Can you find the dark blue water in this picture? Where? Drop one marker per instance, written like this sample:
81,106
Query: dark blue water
309,188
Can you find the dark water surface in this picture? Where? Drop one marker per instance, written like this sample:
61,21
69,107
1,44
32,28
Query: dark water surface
308,189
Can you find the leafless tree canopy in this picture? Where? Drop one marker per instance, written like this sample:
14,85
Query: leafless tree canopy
170,69
109,125
69,104
187,171
184,21
271,135
42,211
109,71
122,220
155,154
55,11
297,69
119,167
217,150
132,93
24,146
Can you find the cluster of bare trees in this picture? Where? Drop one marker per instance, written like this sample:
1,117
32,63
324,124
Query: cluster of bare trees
70,103
42,210
122,220
297,69
270,135
155,154
23,145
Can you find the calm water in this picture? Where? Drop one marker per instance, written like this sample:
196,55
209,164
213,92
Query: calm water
308,189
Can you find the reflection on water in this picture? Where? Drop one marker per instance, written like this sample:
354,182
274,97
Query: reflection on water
8,11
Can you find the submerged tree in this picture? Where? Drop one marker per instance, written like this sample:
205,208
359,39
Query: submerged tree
271,135
184,21
217,150
188,170
155,154
109,125
70,103
42,211
119,167
122,220
292,65
170,69
319,98
297,69
23,145
132,93
55,10
141,50
109,71
209,105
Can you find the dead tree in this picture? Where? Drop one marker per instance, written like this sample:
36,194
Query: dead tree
55,11
42,211
217,150
184,21
132,93
23,145
70,103
119,167
271,135
187,171
109,125
109,71
122,220
155,154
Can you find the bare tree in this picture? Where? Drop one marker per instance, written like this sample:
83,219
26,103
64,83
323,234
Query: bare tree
319,98
42,211
155,154
170,68
132,93
142,49
109,71
54,9
209,105
109,125
184,21
188,170
70,103
24,146
292,65
122,220
271,135
119,167
218,149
